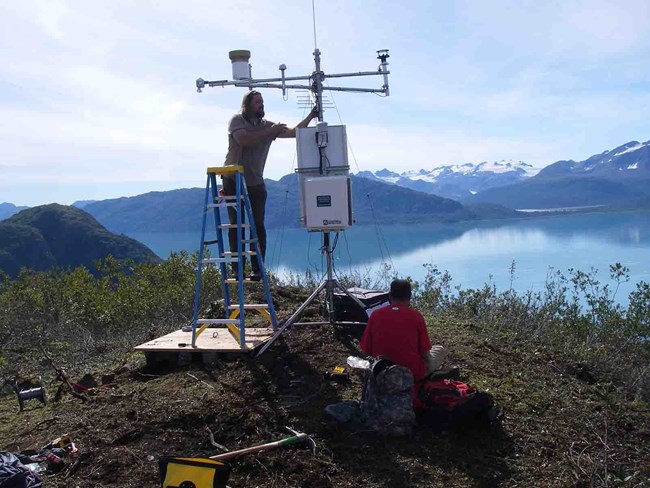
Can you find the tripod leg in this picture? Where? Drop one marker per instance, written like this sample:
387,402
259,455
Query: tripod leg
293,318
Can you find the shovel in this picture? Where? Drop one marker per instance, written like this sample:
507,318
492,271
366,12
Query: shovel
289,441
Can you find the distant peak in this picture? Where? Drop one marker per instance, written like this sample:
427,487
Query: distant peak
628,148
385,173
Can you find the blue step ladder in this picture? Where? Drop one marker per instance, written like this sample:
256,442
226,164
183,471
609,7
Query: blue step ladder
234,309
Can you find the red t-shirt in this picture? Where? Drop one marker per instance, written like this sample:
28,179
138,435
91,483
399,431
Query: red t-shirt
400,334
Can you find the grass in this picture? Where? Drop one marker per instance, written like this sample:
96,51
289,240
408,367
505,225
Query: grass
568,366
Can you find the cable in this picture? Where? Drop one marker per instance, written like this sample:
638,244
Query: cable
295,155
336,240
347,248
286,199
312,265
322,254
280,235
380,235
341,121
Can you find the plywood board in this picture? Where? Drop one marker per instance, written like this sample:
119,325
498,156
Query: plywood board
210,340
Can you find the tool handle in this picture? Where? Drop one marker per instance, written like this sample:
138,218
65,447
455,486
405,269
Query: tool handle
263,447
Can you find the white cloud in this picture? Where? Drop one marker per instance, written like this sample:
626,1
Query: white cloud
50,13
99,92
601,27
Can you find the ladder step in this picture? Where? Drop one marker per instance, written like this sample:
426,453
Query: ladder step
221,205
232,226
249,306
238,205
217,321
230,259
226,170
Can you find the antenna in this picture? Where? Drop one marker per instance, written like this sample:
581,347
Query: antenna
325,186
313,15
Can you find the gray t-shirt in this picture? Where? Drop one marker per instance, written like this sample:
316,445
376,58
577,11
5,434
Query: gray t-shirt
252,158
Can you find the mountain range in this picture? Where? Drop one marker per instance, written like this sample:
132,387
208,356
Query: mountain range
8,209
617,178
373,201
66,236
457,181
49,236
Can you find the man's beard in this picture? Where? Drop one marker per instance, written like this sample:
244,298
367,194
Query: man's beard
260,114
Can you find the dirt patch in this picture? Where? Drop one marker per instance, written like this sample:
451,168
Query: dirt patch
556,431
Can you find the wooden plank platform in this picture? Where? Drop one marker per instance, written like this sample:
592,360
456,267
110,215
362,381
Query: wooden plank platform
210,340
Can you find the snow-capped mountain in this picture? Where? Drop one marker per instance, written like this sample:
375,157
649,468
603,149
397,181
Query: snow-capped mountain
630,160
620,176
457,181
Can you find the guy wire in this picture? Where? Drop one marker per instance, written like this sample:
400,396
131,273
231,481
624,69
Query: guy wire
311,265
347,248
380,236
331,94
280,235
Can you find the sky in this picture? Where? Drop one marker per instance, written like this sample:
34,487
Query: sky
98,99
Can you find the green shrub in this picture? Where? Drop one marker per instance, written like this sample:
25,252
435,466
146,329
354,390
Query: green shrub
82,315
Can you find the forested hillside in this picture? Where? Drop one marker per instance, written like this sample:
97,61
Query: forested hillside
49,236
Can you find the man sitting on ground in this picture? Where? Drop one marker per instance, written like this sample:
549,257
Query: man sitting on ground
398,332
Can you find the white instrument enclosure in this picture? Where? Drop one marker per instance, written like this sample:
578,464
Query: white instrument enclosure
327,203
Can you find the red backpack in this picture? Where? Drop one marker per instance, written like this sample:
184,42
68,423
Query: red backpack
446,394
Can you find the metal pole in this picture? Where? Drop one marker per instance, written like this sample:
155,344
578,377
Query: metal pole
297,314
317,85
318,92
329,299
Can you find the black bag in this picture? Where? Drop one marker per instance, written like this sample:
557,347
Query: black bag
348,310
479,411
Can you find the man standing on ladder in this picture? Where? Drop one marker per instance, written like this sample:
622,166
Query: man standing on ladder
249,138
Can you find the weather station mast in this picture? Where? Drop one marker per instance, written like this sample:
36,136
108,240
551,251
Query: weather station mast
323,169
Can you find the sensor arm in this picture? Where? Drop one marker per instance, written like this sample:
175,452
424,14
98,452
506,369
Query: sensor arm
201,83
316,78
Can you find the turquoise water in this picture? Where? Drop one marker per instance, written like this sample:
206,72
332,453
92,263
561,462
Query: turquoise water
473,253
